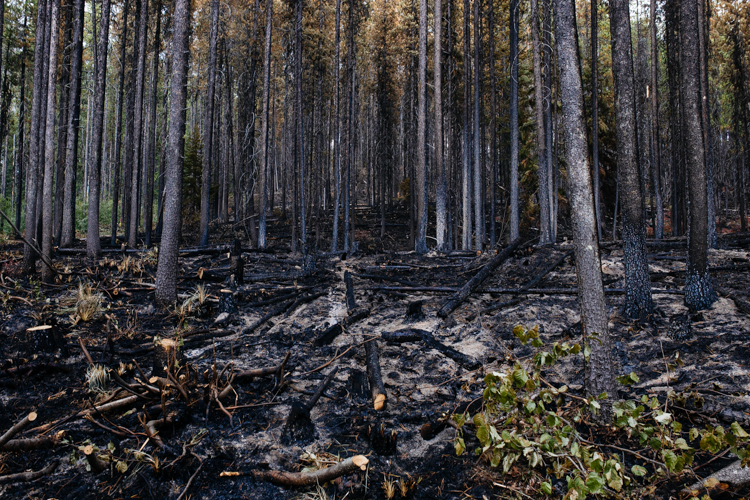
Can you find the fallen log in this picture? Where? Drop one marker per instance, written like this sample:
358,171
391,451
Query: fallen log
21,425
479,278
320,476
401,336
459,357
377,389
22,477
329,334
277,370
24,444
351,303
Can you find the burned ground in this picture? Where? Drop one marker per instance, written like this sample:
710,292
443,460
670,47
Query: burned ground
285,305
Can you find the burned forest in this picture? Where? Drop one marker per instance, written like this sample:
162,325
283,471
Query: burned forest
374,249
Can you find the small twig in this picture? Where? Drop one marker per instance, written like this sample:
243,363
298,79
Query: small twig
190,481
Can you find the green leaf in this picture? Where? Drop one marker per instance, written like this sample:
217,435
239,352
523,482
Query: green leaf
121,467
639,471
739,431
594,483
520,377
546,488
460,446
670,459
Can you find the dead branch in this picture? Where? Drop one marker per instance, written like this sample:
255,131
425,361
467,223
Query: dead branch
321,476
379,396
17,428
28,476
37,443
479,278
277,370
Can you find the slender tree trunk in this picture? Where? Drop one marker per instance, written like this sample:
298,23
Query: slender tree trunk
67,235
166,272
49,144
420,245
699,293
467,137
478,70
208,125
638,301
493,125
655,144
598,373
93,244
263,174
547,62
595,112
138,125
441,229
19,170
544,202
32,172
148,215
129,155
62,120
706,119
514,141
301,128
336,129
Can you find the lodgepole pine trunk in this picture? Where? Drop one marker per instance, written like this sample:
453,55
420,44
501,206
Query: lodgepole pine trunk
544,202
441,228
93,244
699,292
67,235
148,216
598,373
263,174
655,145
118,123
420,244
514,140
208,124
336,129
166,272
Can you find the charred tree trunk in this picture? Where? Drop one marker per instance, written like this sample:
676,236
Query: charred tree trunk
598,375
467,137
93,244
420,245
655,136
336,129
166,273
699,293
67,234
148,216
263,174
441,227
514,140
208,125
638,302
545,236
595,113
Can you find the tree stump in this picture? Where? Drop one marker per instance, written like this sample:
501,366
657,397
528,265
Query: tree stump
166,356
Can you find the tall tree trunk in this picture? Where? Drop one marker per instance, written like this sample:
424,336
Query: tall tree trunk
129,155
62,120
493,125
544,202
441,228
466,174
32,172
138,127
148,216
478,70
350,130
263,174
514,141
74,118
300,128
420,245
741,133
638,301
93,244
679,205
655,143
336,129
166,272
208,124
595,112
699,293
706,119
598,373
19,170
547,65
49,143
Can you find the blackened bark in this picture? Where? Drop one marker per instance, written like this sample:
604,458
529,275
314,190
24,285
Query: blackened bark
595,112
74,117
208,124
514,141
706,119
127,184
166,272
49,144
679,205
655,136
699,293
148,216
420,244
466,149
545,236
118,122
598,375
32,171
478,173
93,244
638,302
336,129
263,174
493,124
301,128
441,228
138,123
19,170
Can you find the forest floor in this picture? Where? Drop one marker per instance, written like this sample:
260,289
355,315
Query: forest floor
287,301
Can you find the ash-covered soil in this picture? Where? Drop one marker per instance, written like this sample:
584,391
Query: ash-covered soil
703,358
